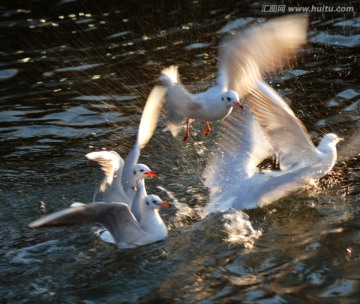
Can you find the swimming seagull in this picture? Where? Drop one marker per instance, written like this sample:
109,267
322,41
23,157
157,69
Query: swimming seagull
244,58
267,127
118,183
125,231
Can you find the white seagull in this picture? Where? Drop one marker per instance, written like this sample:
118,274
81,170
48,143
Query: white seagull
246,140
148,122
111,189
244,59
118,184
125,230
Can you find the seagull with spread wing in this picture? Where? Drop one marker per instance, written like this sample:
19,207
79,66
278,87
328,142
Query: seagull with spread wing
267,127
118,183
122,228
244,59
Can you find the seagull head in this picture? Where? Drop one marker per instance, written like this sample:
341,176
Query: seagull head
231,98
330,139
141,171
154,202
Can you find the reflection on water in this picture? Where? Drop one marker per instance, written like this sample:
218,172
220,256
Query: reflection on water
74,77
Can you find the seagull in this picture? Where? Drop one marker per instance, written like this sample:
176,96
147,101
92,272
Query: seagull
212,105
124,229
140,172
111,189
268,127
244,59
118,183
148,122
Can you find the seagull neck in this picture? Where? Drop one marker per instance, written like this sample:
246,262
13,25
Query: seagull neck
328,152
137,206
328,148
151,219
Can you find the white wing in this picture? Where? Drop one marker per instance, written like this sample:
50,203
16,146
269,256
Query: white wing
241,147
150,115
180,101
147,126
110,189
285,132
256,52
110,162
115,217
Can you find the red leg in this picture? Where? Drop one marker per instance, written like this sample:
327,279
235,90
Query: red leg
187,132
207,129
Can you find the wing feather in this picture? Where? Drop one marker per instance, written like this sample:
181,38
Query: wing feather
110,162
286,133
115,217
259,51
147,126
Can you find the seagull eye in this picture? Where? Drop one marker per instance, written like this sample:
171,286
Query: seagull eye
228,98
154,202
141,170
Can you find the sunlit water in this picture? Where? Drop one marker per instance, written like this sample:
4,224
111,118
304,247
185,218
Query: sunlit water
74,77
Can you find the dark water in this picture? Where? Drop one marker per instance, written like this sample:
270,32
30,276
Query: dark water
74,77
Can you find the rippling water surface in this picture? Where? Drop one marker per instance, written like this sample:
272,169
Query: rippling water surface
74,77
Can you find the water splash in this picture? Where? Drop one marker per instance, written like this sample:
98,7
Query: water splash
240,229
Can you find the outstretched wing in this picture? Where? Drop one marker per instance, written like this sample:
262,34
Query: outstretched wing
256,52
285,132
150,115
115,217
147,126
110,189
110,162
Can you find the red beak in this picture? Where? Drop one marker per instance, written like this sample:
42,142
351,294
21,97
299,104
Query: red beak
165,204
152,174
239,105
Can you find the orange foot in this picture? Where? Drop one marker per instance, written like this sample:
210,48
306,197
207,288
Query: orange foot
207,129
187,132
